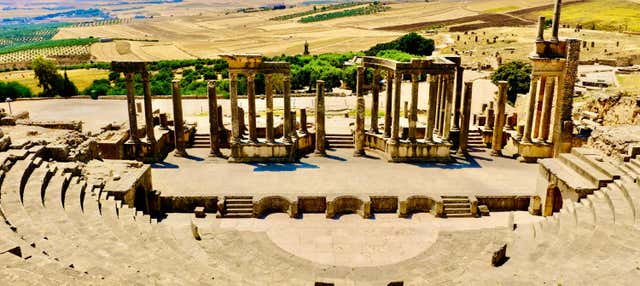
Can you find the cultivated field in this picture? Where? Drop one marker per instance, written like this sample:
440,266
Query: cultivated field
82,78
211,31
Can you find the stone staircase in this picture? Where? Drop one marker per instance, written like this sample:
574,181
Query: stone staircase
201,141
475,139
456,206
237,207
336,141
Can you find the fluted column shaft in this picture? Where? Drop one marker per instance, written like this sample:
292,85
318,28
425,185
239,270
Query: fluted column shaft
546,110
288,128
389,104
375,101
413,115
268,90
539,102
251,98
359,132
431,115
395,132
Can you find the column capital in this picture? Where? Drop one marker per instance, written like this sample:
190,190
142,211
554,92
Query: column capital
211,83
233,76
251,76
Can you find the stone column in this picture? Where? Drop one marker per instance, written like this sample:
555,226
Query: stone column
287,110
235,115
563,125
441,108
148,112
465,117
320,130
268,90
447,107
538,114
359,132
178,122
546,110
413,115
251,99
541,22
556,21
526,137
375,101
303,120
458,98
395,131
214,137
292,116
496,141
389,104
490,118
437,107
131,107
431,115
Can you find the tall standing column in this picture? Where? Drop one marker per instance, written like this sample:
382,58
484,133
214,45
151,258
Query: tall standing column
131,108
235,115
395,131
526,137
563,129
546,110
268,90
413,115
446,125
251,98
438,103
556,21
287,110
359,132
148,112
458,98
375,100
496,141
441,106
214,136
320,130
465,117
539,102
431,115
178,121
388,105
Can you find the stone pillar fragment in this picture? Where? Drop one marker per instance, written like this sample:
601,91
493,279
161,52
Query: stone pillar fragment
438,127
496,141
287,111
563,123
541,23
214,136
546,111
178,121
268,90
359,132
251,99
431,115
148,112
556,21
320,128
526,136
465,117
413,114
539,102
235,115
375,101
303,121
388,105
131,108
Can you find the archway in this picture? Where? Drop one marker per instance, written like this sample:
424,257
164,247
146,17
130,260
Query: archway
553,202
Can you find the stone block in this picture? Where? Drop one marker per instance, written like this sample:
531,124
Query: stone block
8,121
195,232
199,212
499,256
483,210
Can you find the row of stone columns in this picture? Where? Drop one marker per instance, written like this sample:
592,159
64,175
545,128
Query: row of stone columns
148,112
538,116
236,135
440,112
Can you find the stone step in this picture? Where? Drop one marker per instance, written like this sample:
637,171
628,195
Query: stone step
237,215
238,197
455,196
455,201
458,215
239,206
567,175
238,201
595,158
238,210
457,205
585,169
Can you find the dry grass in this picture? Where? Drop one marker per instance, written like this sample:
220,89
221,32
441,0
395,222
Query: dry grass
605,14
629,83
82,78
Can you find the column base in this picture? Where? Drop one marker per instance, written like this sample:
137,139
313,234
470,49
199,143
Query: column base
180,154
318,153
496,153
359,153
215,153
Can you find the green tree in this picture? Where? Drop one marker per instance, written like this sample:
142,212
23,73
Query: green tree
518,74
411,43
47,75
13,90
68,88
